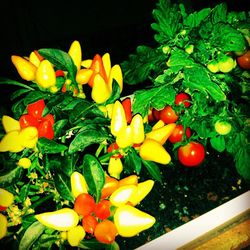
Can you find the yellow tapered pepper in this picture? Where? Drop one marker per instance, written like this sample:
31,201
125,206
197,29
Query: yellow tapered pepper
137,128
6,198
75,53
161,134
125,137
130,221
25,68
62,220
3,226
78,184
115,167
75,235
10,124
152,150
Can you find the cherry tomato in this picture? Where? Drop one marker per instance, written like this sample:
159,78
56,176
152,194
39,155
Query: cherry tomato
102,209
113,147
27,121
222,127
36,109
192,154
84,204
126,103
244,60
105,231
59,73
89,223
168,115
45,129
183,98
178,133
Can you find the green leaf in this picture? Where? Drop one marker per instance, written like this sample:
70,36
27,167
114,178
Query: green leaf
242,161
90,135
91,244
94,175
58,127
61,181
219,13
156,97
132,162
31,235
33,97
116,91
168,21
6,81
47,146
18,93
82,110
153,170
61,60
218,143
10,177
197,78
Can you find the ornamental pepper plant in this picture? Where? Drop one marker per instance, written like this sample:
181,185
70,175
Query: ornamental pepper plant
81,156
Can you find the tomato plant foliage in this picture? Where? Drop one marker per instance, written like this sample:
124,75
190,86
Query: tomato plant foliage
214,33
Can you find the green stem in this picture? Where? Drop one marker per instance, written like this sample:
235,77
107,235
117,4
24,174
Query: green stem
99,150
39,202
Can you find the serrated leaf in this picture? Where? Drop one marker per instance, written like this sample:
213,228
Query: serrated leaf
31,235
94,175
196,78
47,146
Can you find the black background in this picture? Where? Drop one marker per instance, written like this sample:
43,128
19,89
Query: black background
113,26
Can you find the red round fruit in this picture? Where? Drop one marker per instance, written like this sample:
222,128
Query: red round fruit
183,98
156,114
168,115
105,232
89,223
27,121
178,134
244,60
192,154
36,109
102,209
84,204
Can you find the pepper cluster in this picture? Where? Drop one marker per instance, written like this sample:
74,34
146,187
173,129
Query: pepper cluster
113,215
24,133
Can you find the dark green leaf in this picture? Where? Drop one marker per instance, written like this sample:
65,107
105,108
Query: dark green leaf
218,143
47,146
7,81
94,175
62,181
196,78
10,177
153,170
18,93
194,19
58,127
116,91
242,161
87,137
34,96
91,244
132,162
31,235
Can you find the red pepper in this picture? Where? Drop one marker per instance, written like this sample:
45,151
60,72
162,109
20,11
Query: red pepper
36,109
45,129
97,67
28,120
59,73
126,103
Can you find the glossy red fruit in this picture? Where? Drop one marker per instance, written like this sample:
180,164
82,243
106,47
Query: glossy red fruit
126,103
36,109
84,204
102,209
192,154
45,129
89,223
168,115
27,121
183,98
178,134
105,232
244,60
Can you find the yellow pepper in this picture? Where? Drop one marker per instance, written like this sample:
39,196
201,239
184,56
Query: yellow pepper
118,119
24,162
75,235
158,124
161,134
28,137
100,90
115,167
45,75
143,189
83,76
78,184
61,220
3,226
34,59
124,137
129,180
25,69
122,195
152,150
10,124
106,63
137,128
10,142
130,221
75,53
116,74
6,198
